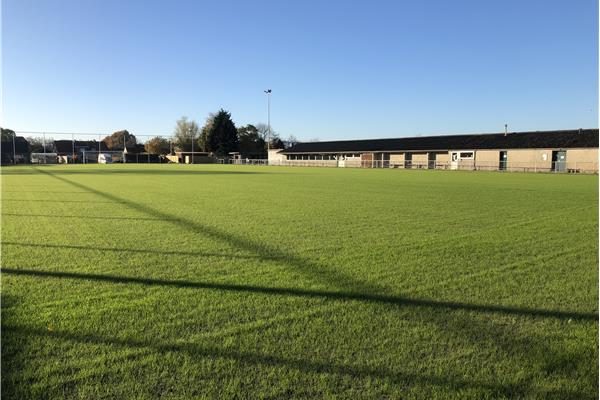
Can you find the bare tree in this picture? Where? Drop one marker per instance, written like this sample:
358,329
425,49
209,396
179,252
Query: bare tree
185,132
36,144
263,131
290,141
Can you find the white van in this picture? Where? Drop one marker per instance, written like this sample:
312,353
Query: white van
104,158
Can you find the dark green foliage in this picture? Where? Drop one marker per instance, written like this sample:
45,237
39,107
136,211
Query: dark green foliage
38,143
252,144
222,136
6,135
277,143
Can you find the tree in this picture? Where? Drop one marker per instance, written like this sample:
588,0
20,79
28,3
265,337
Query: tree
251,143
203,139
36,144
263,131
118,138
276,142
272,137
7,135
290,141
222,137
185,132
158,145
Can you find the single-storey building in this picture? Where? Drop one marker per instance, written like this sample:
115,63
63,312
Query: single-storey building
189,157
137,154
573,150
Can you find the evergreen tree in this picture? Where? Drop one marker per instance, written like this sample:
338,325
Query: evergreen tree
251,144
222,136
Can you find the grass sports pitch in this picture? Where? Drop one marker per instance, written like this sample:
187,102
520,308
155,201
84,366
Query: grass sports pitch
175,281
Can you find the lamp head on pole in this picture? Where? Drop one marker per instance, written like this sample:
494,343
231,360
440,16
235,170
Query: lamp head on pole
268,91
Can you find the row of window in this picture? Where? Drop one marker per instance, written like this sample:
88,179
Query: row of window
321,156
463,155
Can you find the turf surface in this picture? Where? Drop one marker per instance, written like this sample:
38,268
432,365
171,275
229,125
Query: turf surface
173,281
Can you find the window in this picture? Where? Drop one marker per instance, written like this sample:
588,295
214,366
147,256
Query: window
466,154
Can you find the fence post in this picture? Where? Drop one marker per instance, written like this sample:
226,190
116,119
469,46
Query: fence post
192,149
14,148
73,149
44,144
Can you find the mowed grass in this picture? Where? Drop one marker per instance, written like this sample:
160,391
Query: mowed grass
206,281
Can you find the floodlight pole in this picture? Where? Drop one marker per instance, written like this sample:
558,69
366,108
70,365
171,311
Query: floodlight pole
268,92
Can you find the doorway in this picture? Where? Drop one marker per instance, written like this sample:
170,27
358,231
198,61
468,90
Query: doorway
454,160
431,161
503,160
407,160
559,161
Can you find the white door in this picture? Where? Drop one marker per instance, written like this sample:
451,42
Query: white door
454,160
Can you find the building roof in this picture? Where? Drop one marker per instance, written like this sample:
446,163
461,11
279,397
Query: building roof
135,148
575,138
21,146
197,153
66,146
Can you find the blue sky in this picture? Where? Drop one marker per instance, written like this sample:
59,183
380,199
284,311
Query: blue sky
338,69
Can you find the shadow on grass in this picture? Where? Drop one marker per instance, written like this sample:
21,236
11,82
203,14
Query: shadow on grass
264,251
346,296
85,217
121,250
308,366
46,191
14,351
126,171
60,201
539,356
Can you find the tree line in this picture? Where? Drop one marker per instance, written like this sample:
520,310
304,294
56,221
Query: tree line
218,135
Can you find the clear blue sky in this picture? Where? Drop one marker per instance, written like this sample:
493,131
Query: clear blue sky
338,69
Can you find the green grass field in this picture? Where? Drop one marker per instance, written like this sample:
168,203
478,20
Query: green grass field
174,281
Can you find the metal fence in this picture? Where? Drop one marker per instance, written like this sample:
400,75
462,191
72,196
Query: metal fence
574,167
80,148
244,161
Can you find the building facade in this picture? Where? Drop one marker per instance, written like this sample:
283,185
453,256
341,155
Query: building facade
540,151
